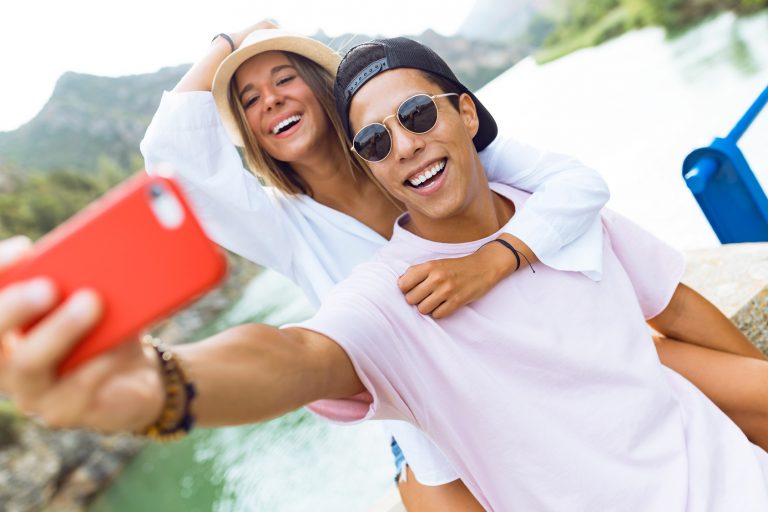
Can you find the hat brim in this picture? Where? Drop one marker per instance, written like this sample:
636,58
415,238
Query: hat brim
258,42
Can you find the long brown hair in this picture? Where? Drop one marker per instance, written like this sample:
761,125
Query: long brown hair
280,174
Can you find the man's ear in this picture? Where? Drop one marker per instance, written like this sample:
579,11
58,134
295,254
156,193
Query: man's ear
468,113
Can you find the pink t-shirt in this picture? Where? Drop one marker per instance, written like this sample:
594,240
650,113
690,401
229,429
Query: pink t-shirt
546,393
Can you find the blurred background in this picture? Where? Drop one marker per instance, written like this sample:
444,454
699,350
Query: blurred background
627,86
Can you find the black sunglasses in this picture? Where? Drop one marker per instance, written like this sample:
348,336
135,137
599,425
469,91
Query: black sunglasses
417,114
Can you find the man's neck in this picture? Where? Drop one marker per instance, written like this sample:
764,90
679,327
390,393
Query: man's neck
485,214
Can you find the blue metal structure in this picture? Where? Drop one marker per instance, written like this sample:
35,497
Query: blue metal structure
725,187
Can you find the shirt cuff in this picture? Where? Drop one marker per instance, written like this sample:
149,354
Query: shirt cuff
585,254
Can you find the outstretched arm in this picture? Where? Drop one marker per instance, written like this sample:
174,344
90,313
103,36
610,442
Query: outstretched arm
255,372
245,374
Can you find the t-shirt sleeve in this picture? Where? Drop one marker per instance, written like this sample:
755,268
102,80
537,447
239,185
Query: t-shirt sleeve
653,266
357,323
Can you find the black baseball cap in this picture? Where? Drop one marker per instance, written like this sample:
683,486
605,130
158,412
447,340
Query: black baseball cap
366,60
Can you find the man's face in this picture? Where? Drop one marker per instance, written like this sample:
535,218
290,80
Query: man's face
433,174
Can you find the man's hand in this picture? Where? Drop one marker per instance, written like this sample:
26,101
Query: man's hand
118,391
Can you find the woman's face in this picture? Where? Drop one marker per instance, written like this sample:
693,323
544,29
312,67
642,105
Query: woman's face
283,113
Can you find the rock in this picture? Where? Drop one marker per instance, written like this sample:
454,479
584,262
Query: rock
30,472
735,278
100,467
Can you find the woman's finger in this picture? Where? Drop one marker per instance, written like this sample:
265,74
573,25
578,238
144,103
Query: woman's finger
445,310
430,303
412,277
418,294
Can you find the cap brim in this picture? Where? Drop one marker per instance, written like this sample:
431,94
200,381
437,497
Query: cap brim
259,42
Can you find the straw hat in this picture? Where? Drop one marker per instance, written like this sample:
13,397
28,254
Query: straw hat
258,42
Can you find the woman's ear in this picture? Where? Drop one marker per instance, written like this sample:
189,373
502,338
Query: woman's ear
468,113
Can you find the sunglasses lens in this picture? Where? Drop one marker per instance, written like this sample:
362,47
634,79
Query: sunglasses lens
418,114
373,142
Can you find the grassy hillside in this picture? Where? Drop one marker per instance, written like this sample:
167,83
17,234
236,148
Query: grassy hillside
89,123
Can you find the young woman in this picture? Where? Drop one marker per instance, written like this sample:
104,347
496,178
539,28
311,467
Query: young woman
320,213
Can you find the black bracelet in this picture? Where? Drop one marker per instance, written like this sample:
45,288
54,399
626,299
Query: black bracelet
514,251
227,37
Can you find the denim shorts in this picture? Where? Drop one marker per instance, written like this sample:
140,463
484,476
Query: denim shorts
399,461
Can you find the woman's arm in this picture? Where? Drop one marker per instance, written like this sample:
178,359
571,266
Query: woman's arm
559,225
200,75
565,204
186,136
451,497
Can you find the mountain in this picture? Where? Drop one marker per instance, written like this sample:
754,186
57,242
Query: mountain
93,122
475,62
502,20
89,120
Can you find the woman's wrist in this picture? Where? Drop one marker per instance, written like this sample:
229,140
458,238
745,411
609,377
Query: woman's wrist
507,255
223,38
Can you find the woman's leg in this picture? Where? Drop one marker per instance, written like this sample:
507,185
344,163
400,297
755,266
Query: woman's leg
738,385
451,497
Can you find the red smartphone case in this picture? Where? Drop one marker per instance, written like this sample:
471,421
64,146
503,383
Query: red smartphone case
142,269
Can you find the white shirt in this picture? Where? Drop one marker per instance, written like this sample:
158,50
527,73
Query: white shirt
316,246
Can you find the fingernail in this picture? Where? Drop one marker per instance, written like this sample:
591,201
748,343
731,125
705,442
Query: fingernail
82,303
12,248
40,292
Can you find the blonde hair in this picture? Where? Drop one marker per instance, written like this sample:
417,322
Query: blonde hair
280,174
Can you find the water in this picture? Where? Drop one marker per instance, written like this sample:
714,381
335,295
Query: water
294,463
635,107
632,108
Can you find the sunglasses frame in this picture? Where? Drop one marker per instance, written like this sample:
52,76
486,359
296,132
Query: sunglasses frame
432,98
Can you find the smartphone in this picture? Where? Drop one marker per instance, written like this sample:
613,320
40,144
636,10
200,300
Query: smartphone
139,247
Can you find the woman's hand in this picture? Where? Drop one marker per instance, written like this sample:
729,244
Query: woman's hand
440,287
120,390
200,75
240,35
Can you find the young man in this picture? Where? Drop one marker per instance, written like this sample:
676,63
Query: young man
546,394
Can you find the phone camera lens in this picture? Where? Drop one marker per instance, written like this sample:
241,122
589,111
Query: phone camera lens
156,191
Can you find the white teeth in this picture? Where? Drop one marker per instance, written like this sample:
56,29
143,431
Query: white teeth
421,178
285,122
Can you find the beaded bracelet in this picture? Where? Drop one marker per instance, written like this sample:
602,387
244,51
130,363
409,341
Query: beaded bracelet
514,251
176,418
227,37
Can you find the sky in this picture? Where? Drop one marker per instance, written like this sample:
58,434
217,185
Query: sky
40,40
